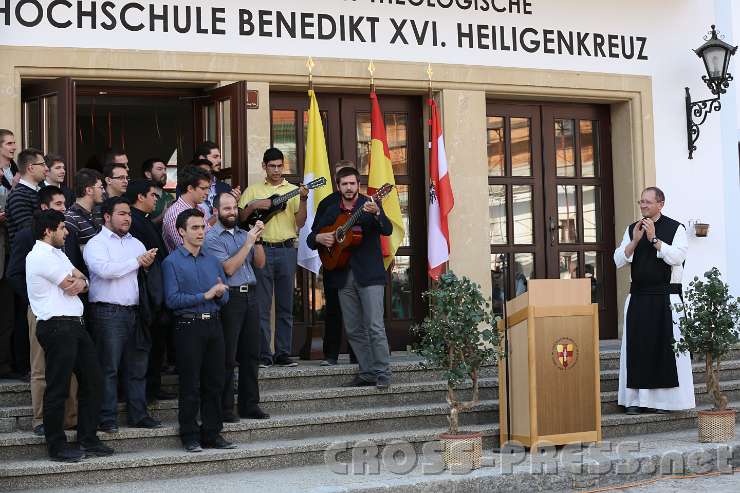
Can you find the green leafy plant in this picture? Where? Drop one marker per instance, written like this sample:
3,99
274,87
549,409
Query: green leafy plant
709,326
458,337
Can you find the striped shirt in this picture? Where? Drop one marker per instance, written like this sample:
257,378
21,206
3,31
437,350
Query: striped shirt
23,201
172,238
81,223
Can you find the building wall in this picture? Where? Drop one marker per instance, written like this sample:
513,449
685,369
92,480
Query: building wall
646,96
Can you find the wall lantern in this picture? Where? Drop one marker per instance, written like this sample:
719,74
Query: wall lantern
716,55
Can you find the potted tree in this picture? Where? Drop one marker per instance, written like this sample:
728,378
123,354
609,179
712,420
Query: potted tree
459,338
708,323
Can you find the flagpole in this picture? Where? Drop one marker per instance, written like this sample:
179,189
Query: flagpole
310,65
371,69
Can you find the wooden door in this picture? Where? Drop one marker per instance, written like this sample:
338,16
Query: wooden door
551,200
221,116
48,119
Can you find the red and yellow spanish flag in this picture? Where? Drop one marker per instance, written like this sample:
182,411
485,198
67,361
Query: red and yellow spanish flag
381,172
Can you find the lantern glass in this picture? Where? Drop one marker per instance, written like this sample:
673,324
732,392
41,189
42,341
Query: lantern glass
714,60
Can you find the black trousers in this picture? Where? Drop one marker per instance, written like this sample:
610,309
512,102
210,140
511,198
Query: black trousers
333,325
161,331
69,349
241,324
21,342
199,345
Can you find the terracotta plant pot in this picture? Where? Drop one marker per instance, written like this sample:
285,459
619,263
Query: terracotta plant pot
701,229
717,426
462,452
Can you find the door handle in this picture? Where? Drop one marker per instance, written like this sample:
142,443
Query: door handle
553,227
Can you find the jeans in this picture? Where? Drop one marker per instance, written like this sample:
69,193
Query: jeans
69,349
120,349
199,346
240,320
362,309
277,275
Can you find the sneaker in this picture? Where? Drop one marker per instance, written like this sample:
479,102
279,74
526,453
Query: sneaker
359,382
67,454
219,443
231,418
97,450
108,427
192,447
632,411
329,362
265,364
149,423
383,383
39,430
285,362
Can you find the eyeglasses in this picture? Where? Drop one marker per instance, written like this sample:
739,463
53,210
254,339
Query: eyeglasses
122,178
274,166
42,163
647,202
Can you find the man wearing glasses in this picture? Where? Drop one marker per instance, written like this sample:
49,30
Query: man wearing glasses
22,202
652,378
278,274
195,184
116,179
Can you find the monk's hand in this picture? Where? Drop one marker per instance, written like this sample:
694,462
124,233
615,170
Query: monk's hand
639,231
649,227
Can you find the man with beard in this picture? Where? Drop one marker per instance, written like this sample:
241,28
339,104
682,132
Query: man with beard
53,286
362,283
155,170
651,375
142,196
238,252
113,258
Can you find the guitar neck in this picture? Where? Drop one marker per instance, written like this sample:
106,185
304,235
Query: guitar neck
356,216
284,198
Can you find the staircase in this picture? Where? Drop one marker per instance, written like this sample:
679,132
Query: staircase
310,412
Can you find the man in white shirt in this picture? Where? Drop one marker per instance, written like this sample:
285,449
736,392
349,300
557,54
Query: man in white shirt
53,286
113,258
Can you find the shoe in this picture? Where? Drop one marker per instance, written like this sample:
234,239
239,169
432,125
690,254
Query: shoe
39,430
192,447
219,443
359,382
108,427
285,362
231,418
329,362
632,411
98,450
662,411
255,413
149,423
67,454
383,384
14,375
265,364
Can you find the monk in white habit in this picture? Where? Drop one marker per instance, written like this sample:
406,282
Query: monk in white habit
652,378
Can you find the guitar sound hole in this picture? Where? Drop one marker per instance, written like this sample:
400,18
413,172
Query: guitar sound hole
340,236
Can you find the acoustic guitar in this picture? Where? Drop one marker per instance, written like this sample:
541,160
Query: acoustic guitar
279,203
345,238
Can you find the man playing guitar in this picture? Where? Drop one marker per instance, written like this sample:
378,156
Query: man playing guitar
362,282
278,274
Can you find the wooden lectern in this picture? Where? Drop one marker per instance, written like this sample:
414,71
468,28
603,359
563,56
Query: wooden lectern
553,360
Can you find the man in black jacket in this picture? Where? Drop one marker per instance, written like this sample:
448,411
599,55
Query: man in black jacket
362,283
142,194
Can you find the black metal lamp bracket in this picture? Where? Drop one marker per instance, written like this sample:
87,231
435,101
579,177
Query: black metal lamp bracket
696,114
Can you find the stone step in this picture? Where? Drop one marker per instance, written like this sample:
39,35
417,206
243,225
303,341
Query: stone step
730,388
730,370
159,463
170,462
15,418
24,444
609,358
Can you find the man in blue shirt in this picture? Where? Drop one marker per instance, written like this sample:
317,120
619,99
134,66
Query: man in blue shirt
237,250
195,292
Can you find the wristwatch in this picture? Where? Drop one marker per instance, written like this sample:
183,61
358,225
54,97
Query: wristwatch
654,240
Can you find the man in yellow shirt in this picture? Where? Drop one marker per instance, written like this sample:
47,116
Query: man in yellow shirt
278,274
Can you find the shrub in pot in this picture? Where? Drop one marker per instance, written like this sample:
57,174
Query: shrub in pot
458,337
709,329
